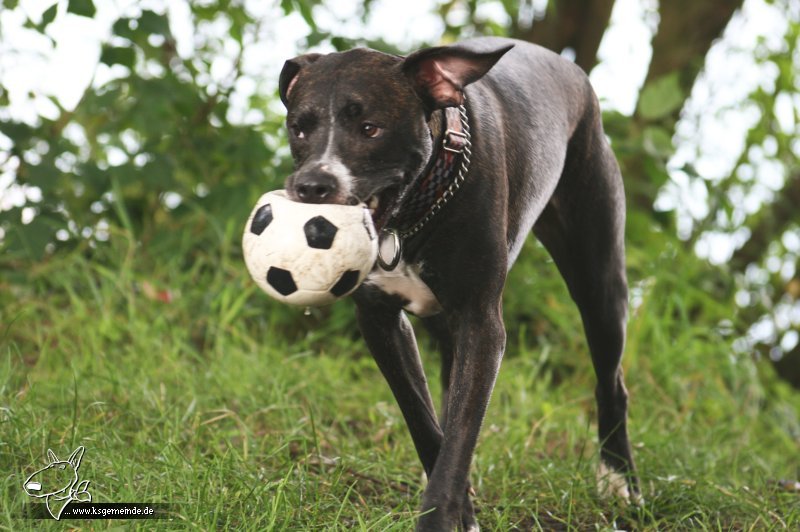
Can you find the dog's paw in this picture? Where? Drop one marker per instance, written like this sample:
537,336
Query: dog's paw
611,484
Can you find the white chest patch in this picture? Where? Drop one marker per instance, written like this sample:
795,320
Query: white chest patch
404,281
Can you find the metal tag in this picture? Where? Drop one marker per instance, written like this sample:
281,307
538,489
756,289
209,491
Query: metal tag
397,249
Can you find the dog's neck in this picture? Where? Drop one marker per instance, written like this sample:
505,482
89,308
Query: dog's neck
428,192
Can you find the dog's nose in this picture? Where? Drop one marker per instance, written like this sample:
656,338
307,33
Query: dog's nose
313,184
313,192
315,187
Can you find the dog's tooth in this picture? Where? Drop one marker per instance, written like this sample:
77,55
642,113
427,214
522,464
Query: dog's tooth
373,203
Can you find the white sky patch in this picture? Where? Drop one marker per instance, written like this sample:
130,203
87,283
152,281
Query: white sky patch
714,124
65,70
405,24
62,66
624,54
39,67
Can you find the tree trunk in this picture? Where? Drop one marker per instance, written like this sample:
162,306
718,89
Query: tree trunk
575,24
686,31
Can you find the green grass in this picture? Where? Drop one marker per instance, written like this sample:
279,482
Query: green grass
247,416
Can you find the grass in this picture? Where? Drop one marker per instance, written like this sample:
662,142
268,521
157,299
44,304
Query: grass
244,415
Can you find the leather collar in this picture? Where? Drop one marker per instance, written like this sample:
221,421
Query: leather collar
443,175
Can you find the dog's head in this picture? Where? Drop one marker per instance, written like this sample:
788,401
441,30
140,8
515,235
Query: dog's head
357,120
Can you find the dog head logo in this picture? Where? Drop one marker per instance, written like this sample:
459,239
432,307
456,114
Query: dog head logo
58,483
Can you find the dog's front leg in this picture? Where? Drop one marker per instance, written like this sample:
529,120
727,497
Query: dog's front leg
479,341
391,341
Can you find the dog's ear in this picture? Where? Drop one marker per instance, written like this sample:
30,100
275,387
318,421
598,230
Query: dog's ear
76,456
440,74
289,74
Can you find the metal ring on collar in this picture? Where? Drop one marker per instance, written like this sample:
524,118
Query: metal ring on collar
398,250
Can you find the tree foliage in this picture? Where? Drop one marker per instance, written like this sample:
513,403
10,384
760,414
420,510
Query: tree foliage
153,151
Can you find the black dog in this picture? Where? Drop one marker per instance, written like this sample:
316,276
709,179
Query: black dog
460,151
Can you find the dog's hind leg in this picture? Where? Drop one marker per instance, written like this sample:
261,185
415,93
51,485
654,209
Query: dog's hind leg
583,229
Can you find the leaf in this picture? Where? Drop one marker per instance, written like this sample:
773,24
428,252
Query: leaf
10,216
153,23
657,142
656,173
661,97
42,175
159,171
118,55
83,8
122,28
32,238
18,132
306,10
48,16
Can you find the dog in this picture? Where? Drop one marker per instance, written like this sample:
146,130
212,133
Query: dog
459,152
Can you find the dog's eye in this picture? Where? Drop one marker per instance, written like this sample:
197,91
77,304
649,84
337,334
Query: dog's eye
371,130
297,132
62,466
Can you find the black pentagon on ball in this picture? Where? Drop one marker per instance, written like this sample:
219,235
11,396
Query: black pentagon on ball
319,233
261,219
281,280
346,282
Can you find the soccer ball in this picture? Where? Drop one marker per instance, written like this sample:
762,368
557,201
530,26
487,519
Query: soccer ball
308,254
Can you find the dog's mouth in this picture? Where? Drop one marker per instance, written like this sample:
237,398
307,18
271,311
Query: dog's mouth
382,204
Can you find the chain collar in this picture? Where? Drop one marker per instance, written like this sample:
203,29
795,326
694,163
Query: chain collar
459,143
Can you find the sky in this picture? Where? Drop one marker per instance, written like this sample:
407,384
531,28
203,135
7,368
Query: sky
710,135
